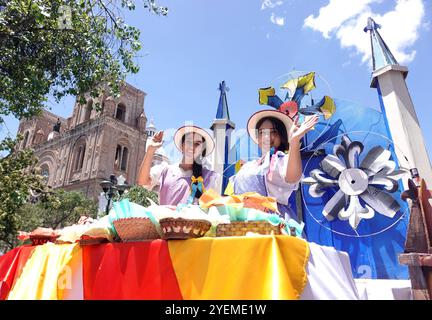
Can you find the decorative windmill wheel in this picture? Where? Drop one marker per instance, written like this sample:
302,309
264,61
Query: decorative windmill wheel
359,184
301,94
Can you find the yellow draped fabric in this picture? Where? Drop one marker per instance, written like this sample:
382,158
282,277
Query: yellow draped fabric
259,267
46,274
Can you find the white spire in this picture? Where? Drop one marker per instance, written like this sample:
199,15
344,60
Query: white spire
388,77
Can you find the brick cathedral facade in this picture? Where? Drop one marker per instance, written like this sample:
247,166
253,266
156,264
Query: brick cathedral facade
79,152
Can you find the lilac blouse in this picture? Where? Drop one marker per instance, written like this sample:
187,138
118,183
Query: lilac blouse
174,182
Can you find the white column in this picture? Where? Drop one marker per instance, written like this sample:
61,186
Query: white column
402,120
220,131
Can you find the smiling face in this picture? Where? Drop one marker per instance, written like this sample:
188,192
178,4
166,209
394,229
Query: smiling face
268,136
192,146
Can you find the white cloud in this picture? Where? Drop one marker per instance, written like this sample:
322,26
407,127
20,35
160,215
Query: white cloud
280,21
335,14
269,4
347,18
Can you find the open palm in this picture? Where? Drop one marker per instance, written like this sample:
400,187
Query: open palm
298,131
156,142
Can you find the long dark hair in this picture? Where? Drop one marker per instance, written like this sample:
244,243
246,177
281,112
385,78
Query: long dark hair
197,166
279,126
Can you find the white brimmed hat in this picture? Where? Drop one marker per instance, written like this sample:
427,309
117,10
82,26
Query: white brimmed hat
257,116
209,142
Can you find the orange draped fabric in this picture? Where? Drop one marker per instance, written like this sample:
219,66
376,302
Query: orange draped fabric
139,270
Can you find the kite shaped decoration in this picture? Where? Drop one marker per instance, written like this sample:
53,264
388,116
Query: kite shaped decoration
363,188
296,89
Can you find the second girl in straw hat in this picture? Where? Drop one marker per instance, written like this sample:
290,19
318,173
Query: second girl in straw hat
278,172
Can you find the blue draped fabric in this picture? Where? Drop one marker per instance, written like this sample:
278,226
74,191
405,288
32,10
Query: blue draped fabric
374,247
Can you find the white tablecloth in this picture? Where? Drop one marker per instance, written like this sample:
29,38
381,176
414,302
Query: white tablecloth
384,289
329,275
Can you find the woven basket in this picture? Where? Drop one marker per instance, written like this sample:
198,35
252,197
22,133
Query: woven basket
135,229
240,228
179,228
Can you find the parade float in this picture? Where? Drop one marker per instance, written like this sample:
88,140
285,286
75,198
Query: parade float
364,232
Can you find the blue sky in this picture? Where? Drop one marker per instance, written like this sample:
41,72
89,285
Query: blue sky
249,43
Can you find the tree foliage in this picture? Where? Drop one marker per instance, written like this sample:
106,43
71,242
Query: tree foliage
18,180
141,196
57,210
64,47
58,48
64,208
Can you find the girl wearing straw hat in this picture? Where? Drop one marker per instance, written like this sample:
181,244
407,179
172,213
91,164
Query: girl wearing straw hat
182,182
278,171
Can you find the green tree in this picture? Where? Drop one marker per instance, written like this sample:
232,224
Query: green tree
64,47
57,210
17,180
141,196
64,208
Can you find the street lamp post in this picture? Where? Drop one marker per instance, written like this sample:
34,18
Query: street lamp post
111,188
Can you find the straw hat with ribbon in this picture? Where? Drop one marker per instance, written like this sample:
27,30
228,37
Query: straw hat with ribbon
197,183
209,142
257,116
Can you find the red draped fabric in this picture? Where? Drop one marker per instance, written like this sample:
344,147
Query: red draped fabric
139,270
11,265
